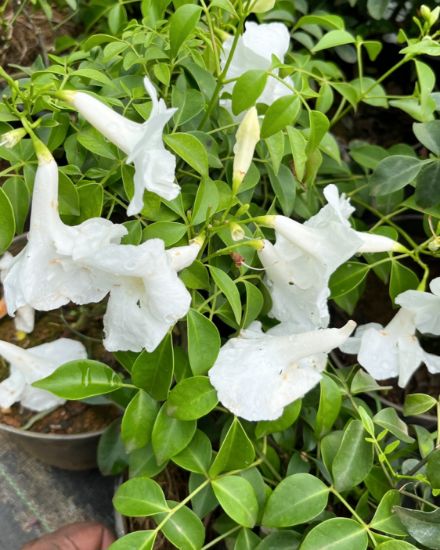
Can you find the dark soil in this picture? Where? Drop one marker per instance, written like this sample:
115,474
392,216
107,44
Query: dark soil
72,418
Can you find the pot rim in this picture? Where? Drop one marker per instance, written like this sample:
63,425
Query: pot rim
50,437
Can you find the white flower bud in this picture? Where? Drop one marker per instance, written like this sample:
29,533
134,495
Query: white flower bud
237,232
247,137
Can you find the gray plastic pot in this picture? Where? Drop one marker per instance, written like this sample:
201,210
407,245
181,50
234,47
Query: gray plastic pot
69,452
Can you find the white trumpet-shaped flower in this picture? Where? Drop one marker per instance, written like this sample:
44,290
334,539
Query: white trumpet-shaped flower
299,265
29,365
390,351
84,263
425,307
24,319
254,50
142,142
257,374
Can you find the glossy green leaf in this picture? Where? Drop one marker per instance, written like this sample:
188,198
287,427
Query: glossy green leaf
7,221
284,185
297,499
206,202
418,403
427,189
254,304
170,435
336,534
329,406
203,342
237,498
169,232
183,528
289,417
428,133
347,277
80,379
388,419
424,527
393,173
153,372
236,451
247,90
319,124
139,540
190,149
402,278
354,458
181,24
138,421
280,114
196,457
433,469
384,518
332,39
192,398
139,497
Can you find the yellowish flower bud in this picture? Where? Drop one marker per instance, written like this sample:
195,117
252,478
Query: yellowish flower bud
261,6
247,137
237,232
10,139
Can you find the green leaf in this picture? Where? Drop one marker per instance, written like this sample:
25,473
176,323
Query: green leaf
80,379
433,469
111,456
385,519
393,173
139,540
326,21
169,232
387,418
289,417
7,221
246,540
190,149
354,458
19,197
254,304
93,74
153,372
206,202
192,398
275,146
377,8
203,342
170,435
362,383
195,276
428,133
418,403
183,528
183,21
336,534
347,277
138,421
284,186
280,114
117,17
94,142
332,39
91,199
237,498
368,155
298,145
247,90
329,406
297,499
424,527
396,545
319,124
427,192
139,497
369,91
236,451
134,235
196,457
402,278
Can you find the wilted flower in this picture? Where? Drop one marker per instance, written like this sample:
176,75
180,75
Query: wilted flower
391,351
247,137
424,306
254,50
32,364
257,374
142,142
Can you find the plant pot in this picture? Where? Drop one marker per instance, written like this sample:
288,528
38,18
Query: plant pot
69,452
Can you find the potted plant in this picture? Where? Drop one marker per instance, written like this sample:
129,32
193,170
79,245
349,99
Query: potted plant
249,234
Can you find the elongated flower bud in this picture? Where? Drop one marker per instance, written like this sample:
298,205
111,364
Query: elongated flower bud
10,139
247,137
237,232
